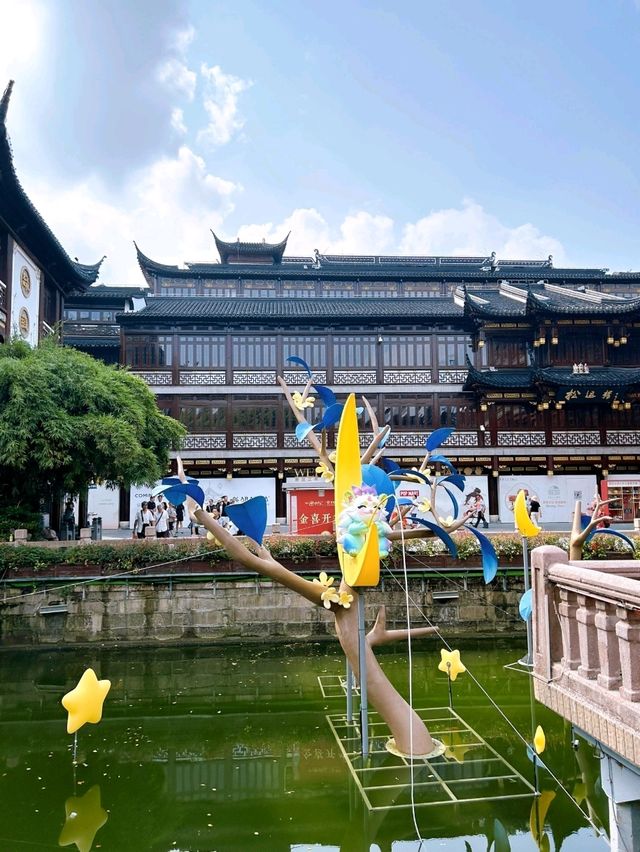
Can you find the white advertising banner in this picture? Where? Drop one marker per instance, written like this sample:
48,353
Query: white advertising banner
105,503
25,297
444,506
556,494
240,489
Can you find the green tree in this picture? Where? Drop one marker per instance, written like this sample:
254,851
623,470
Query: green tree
67,419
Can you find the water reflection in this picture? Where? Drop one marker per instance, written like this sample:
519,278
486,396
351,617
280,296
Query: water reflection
84,817
228,749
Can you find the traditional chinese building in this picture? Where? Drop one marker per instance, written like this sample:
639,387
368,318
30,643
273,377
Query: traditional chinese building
36,273
538,368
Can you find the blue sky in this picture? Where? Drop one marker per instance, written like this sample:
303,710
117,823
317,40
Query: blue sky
409,127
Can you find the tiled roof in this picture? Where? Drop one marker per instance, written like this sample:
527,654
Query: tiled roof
596,377
19,212
377,267
569,303
544,299
209,308
523,378
499,379
227,250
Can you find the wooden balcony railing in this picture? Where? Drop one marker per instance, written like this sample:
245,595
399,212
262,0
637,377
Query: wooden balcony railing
586,645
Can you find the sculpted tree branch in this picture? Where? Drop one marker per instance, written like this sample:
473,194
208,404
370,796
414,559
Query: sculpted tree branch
579,535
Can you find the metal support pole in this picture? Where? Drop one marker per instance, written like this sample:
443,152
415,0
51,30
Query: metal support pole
349,693
528,660
362,665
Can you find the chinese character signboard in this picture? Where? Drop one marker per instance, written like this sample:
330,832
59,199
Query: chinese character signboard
587,394
311,510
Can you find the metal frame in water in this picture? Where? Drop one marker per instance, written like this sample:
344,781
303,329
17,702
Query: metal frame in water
470,770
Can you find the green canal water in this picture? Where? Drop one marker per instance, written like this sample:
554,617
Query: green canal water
229,749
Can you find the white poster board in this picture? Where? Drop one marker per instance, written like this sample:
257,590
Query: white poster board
557,494
444,506
25,297
105,503
239,489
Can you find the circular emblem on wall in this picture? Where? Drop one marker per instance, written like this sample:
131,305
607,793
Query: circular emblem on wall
24,323
25,282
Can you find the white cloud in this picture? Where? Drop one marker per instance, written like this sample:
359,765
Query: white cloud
471,230
468,230
167,208
175,75
220,101
21,37
177,121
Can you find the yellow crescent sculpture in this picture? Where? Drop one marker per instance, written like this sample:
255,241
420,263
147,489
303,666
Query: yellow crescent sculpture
363,569
537,818
524,524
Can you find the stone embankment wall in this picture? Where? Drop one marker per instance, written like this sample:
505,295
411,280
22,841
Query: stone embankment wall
231,610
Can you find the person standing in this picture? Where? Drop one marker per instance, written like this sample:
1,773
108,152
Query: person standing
68,522
179,516
480,508
535,512
162,521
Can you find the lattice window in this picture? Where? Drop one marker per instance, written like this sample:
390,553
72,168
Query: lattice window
253,351
354,351
202,351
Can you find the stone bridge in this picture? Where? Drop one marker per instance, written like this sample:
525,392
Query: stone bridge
586,667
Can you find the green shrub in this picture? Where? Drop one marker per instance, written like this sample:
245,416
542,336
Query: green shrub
19,518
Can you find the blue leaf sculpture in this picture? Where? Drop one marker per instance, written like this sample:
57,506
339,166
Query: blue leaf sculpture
303,429
444,460
525,607
175,494
195,492
442,535
489,555
609,531
456,479
378,479
327,396
454,502
250,517
584,520
300,362
389,465
331,416
438,437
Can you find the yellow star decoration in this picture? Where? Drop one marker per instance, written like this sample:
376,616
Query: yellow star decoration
539,740
85,816
451,664
84,703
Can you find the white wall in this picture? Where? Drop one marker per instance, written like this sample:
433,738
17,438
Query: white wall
557,494
241,489
105,502
20,302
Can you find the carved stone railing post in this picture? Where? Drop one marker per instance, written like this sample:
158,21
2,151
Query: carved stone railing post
608,651
628,632
587,637
567,609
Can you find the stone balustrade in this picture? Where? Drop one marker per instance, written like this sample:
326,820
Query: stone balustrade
586,645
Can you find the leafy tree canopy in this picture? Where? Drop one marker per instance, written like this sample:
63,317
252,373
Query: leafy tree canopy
67,419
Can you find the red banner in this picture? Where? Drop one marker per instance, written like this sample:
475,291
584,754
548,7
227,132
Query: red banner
311,511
